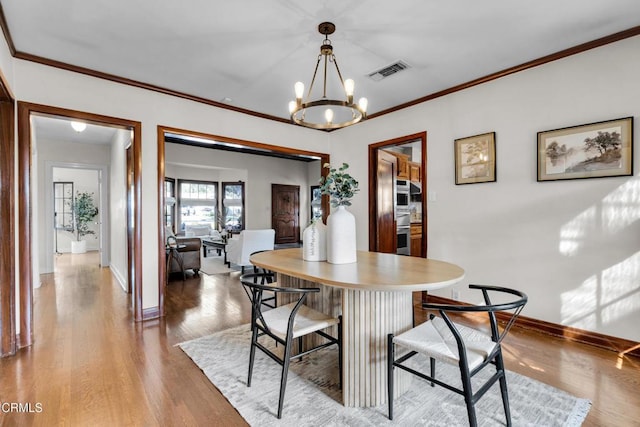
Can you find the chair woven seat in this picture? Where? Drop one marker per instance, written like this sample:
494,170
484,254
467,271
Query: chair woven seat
434,339
306,321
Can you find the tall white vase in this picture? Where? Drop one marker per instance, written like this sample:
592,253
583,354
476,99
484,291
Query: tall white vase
341,237
314,242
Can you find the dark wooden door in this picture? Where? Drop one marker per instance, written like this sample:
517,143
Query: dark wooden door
285,212
385,202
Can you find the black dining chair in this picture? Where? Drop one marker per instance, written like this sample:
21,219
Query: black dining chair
266,277
285,324
468,348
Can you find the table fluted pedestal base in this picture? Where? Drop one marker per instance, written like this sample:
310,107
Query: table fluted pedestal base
367,318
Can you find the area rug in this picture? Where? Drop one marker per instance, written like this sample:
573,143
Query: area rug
212,264
313,396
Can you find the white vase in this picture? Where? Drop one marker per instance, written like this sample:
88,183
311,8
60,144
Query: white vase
341,237
314,242
78,246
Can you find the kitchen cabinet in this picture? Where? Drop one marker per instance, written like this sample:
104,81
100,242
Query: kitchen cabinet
416,239
402,161
415,172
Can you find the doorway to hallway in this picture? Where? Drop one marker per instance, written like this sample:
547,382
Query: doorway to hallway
68,184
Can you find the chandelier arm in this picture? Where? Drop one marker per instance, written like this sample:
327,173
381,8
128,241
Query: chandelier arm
324,88
313,79
335,61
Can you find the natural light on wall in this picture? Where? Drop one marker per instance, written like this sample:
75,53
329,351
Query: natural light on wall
579,306
614,292
622,207
605,299
618,210
573,233
620,289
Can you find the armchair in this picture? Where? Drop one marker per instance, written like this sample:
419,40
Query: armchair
247,242
190,254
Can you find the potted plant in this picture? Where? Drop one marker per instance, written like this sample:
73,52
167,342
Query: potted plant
340,186
84,211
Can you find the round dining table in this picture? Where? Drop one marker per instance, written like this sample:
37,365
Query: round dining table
374,297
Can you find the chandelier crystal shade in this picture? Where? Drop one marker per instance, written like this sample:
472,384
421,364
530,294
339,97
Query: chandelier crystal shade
326,113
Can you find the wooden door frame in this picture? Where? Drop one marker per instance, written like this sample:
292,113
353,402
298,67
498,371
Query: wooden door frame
130,226
162,130
373,179
25,110
7,222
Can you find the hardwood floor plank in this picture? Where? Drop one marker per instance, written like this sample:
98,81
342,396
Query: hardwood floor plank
92,365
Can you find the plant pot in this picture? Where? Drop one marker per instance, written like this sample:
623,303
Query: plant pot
341,237
78,246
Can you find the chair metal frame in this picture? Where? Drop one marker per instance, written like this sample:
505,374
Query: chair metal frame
494,357
260,328
267,277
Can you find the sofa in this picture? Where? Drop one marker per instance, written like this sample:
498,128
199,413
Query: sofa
199,230
240,247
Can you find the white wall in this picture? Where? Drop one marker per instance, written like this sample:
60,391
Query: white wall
6,63
573,246
118,206
258,173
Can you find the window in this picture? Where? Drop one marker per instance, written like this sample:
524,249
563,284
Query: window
233,206
170,203
316,203
197,203
63,205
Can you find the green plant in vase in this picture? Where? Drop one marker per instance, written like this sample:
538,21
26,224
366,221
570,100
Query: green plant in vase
84,211
338,185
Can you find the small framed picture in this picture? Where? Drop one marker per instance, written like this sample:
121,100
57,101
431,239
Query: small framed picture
593,150
476,159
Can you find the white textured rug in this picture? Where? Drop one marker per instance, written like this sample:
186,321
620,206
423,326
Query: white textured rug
313,397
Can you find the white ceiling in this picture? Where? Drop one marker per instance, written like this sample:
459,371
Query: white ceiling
60,130
252,51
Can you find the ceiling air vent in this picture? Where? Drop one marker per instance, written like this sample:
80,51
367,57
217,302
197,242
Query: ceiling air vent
389,70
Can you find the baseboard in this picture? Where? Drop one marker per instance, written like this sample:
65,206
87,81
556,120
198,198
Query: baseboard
121,280
150,313
619,345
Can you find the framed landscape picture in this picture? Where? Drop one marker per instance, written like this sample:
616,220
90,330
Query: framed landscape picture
475,158
594,150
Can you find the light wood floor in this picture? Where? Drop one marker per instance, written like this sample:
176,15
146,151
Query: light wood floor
92,366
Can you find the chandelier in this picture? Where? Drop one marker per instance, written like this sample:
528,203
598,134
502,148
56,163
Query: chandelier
326,113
